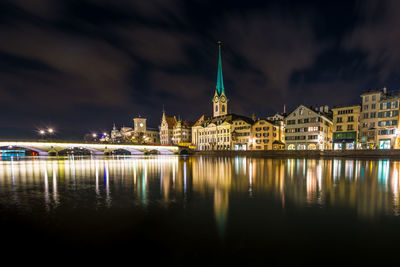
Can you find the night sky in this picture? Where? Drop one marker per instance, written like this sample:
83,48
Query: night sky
80,66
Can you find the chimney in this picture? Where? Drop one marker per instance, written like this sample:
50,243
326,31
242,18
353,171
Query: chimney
384,90
321,109
326,109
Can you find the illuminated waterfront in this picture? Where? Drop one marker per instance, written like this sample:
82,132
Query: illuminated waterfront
184,206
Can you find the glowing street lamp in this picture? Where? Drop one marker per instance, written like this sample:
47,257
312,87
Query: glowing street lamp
42,132
50,130
94,135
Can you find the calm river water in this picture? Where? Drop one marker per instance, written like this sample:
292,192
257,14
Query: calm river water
203,210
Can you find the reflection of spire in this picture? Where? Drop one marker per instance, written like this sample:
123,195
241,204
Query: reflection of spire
221,203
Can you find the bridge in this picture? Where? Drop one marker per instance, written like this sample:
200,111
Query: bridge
66,148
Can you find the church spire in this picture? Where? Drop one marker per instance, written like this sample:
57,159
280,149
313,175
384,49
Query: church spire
220,80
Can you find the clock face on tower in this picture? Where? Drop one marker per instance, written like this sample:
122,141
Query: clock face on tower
216,99
223,99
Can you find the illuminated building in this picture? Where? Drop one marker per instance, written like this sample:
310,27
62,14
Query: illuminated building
218,132
139,134
144,134
369,117
309,128
182,132
220,101
167,129
388,123
267,135
241,134
346,127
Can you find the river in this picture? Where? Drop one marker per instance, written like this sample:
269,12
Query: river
201,209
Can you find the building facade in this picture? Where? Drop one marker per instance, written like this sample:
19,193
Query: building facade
267,135
241,134
144,134
167,129
309,129
182,132
346,123
388,123
138,134
368,137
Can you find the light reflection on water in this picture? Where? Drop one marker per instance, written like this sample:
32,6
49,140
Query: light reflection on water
370,188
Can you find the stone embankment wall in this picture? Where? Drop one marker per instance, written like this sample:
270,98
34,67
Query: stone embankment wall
389,153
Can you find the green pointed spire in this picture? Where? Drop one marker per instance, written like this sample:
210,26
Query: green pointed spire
220,80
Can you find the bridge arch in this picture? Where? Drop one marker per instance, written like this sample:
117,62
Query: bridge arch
120,151
78,151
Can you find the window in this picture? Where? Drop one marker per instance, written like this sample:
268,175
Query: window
223,108
339,128
365,107
365,115
339,120
373,106
374,98
366,98
350,127
351,118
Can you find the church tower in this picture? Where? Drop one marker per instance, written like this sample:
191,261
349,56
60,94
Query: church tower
220,102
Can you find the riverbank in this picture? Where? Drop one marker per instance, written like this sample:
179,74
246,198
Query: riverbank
389,153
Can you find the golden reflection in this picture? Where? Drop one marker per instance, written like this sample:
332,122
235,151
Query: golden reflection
368,188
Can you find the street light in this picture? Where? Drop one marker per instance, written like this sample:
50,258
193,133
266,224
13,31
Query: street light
50,130
94,135
42,132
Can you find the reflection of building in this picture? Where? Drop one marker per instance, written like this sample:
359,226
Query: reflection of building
345,127
308,128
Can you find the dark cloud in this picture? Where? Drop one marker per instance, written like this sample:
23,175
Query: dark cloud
87,71
86,64
377,36
156,46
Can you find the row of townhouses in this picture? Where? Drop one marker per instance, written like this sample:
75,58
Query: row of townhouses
373,124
